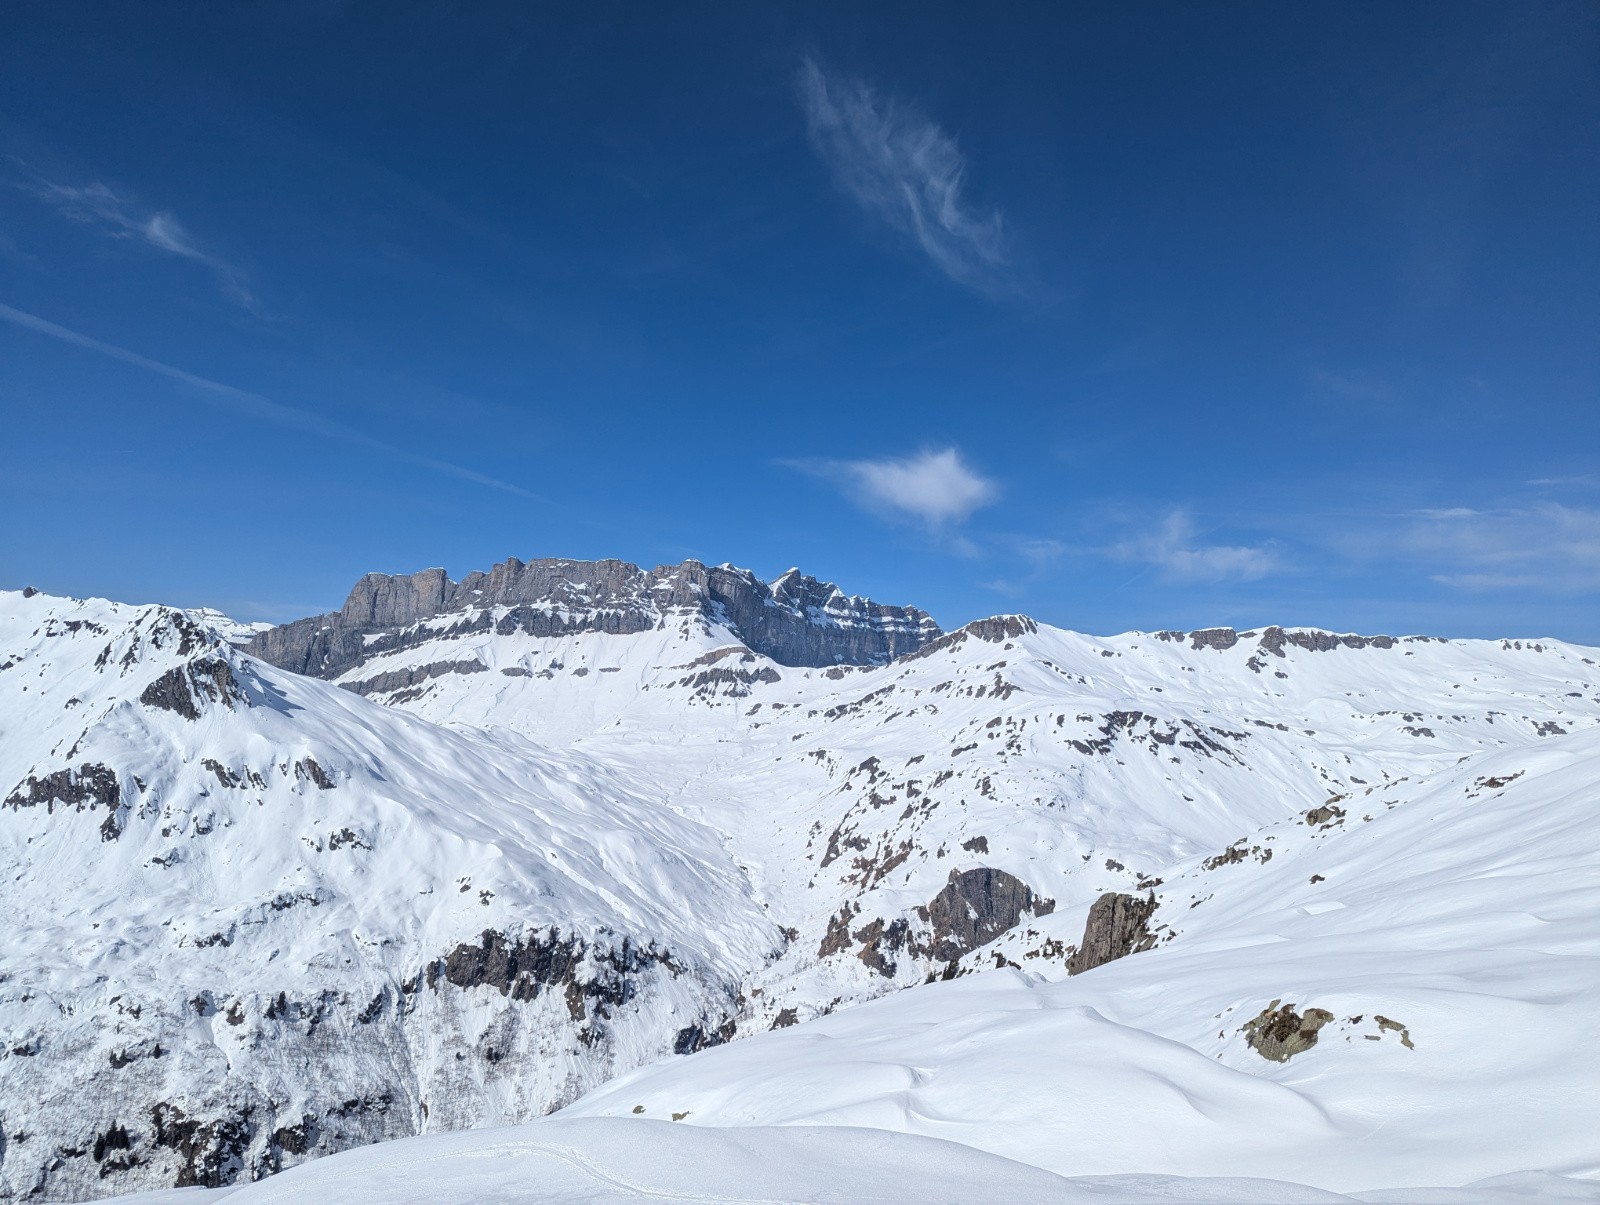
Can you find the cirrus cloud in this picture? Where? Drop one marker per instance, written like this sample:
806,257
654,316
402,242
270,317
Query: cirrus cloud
114,214
252,405
1547,547
1173,547
902,168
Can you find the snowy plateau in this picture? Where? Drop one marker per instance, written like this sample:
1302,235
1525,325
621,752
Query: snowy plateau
572,881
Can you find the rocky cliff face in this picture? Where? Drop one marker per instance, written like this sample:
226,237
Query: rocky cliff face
795,620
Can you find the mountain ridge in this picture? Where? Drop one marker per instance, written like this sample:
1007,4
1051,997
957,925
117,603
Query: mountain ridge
468,897
795,619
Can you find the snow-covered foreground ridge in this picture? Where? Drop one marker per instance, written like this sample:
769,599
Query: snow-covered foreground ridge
597,1160
1447,930
566,821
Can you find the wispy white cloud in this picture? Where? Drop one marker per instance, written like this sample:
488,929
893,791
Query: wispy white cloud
120,217
1576,481
254,405
1005,586
1173,547
935,487
903,168
1547,547
1034,557
1040,552
1352,387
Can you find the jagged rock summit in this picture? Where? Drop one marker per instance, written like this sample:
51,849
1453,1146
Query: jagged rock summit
795,620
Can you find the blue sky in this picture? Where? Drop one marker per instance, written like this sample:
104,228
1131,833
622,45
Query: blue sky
1120,315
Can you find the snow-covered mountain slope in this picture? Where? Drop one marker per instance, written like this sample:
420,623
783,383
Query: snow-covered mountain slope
599,1161
593,1161
1448,931
546,825
895,816
250,917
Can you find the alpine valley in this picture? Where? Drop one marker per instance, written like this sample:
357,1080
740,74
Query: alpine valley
1218,915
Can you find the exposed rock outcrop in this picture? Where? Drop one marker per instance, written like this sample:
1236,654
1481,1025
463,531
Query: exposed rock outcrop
993,630
81,788
693,1038
1118,925
399,679
186,689
795,620
1326,814
598,977
1274,639
211,1153
1280,1033
976,906
881,941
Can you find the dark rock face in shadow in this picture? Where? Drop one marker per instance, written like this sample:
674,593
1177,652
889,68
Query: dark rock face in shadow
1118,925
185,689
976,906
702,1036
83,788
595,978
212,1153
795,620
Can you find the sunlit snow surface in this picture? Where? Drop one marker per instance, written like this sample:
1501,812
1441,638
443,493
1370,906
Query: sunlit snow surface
1457,897
594,1161
1466,912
